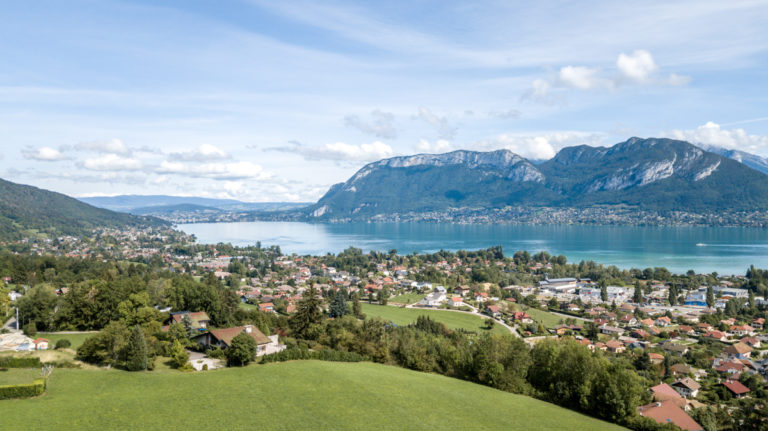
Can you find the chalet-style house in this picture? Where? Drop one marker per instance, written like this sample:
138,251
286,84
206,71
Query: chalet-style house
222,338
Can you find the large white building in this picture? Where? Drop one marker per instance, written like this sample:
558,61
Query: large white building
593,294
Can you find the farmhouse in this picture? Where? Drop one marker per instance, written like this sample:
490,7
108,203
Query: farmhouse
687,387
665,412
223,338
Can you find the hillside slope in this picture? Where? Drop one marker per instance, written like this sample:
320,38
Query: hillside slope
30,208
285,396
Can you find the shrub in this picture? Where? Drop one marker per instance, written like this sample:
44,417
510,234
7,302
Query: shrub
205,367
63,344
26,390
15,362
320,355
30,329
241,350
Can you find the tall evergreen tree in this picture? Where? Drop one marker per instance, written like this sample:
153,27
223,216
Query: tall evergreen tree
307,313
136,350
357,309
638,295
338,306
672,298
603,291
187,322
710,296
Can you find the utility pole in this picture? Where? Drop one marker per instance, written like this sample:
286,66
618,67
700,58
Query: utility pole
17,318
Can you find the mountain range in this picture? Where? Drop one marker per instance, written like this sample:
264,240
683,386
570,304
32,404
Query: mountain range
26,209
752,160
646,174
162,205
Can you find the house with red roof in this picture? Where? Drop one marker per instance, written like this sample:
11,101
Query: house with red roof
665,412
736,388
41,343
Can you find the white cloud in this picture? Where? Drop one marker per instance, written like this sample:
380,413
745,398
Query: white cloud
112,146
46,154
439,146
712,134
444,128
112,162
637,66
542,146
217,171
341,151
510,114
203,153
381,124
583,78
540,91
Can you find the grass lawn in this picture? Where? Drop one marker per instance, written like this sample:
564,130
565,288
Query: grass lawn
451,319
549,320
283,396
75,339
15,376
407,298
248,307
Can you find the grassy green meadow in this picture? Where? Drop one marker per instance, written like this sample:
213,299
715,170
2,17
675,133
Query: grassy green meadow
282,396
75,339
16,376
407,298
451,319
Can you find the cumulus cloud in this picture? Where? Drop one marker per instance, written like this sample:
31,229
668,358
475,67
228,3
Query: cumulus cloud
112,146
583,78
381,124
439,146
637,66
341,151
111,162
542,146
444,129
203,153
540,91
713,134
45,154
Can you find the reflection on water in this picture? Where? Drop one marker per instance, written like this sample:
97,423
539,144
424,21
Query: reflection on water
703,249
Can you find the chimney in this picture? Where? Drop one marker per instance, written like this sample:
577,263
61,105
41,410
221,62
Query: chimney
248,329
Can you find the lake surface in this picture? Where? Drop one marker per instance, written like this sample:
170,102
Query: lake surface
703,249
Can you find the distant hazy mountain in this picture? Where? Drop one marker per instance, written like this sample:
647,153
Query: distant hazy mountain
653,174
27,208
752,160
155,204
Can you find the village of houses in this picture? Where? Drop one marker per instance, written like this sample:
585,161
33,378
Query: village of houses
563,307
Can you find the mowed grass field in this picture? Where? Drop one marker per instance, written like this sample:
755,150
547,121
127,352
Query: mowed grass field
15,376
282,396
75,339
407,298
451,319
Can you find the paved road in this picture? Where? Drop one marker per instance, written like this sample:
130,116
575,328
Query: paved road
10,324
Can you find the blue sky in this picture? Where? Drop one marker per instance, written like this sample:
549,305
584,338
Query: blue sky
276,101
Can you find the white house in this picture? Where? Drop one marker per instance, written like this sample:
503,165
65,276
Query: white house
434,299
687,387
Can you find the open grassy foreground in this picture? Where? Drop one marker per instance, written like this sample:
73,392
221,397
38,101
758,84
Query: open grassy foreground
451,319
282,396
407,298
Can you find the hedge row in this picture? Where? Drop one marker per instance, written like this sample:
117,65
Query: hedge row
26,390
320,355
15,362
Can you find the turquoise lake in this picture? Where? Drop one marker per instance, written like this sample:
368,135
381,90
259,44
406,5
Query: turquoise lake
703,249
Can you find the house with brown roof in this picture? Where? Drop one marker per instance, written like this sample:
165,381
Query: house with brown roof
665,412
687,387
753,342
198,319
222,338
738,350
716,335
758,323
615,346
736,388
656,358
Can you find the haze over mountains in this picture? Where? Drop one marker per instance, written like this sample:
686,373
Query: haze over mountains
163,205
649,174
